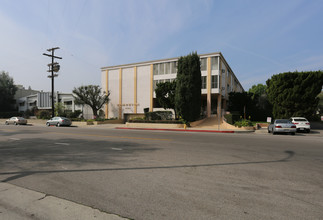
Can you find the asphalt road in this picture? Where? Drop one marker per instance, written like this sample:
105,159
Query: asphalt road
169,175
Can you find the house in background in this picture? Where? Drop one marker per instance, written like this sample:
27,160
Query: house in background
42,100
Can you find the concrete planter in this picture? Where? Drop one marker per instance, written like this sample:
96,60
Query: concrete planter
153,125
117,121
81,123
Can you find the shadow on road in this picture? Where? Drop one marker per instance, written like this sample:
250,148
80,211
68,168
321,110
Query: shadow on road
21,174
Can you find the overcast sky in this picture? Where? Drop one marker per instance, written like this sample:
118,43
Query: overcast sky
257,38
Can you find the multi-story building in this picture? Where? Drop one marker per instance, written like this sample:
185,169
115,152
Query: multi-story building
132,86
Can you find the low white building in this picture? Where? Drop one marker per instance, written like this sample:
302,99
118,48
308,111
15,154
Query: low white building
132,86
42,100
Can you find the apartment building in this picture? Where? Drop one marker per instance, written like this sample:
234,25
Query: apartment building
132,86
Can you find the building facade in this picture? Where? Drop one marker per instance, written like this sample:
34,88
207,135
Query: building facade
132,86
42,100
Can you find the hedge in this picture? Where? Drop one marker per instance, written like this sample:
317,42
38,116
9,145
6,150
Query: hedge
10,114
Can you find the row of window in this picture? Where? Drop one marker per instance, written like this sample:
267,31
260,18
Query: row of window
171,67
161,81
214,63
214,82
165,68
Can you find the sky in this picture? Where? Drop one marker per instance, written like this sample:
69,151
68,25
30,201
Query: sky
257,38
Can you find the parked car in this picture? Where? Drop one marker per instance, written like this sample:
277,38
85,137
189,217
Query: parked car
59,121
16,121
302,124
282,126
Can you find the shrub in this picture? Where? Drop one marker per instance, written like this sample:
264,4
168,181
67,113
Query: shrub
159,115
43,114
243,123
232,118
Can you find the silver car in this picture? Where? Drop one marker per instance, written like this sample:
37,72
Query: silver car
282,126
16,121
59,121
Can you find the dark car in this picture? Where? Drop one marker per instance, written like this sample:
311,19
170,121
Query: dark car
59,121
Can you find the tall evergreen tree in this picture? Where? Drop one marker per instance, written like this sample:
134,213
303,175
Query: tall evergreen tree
7,92
294,93
188,87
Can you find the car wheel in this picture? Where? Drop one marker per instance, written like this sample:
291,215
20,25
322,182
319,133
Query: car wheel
273,132
308,131
15,123
268,131
58,125
47,124
6,123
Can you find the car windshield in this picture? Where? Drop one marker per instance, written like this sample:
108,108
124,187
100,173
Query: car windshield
300,119
283,121
20,118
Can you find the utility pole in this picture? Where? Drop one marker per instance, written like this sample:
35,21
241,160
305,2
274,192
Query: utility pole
53,67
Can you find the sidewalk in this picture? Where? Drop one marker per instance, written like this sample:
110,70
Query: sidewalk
17,203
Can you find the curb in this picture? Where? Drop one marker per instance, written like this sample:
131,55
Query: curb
183,130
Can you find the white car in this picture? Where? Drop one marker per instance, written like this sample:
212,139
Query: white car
302,124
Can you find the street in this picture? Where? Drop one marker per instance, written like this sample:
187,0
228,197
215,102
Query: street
169,175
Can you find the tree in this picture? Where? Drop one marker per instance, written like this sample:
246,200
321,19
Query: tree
7,92
295,93
241,102
259,96
92,96
320,105
188,87
165,95
59,109
257,90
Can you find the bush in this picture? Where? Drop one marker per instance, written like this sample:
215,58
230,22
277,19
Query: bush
232,118
243,123
159,115
43,114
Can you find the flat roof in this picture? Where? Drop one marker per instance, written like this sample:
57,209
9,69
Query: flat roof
219,54
157,61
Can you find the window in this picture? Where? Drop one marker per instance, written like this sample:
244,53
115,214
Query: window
174,67
155,69
161,68
203,82
214,63
214,81
203,64
167,68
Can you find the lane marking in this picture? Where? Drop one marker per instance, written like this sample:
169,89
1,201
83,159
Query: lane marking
15,139
66,144
106,136
114,148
